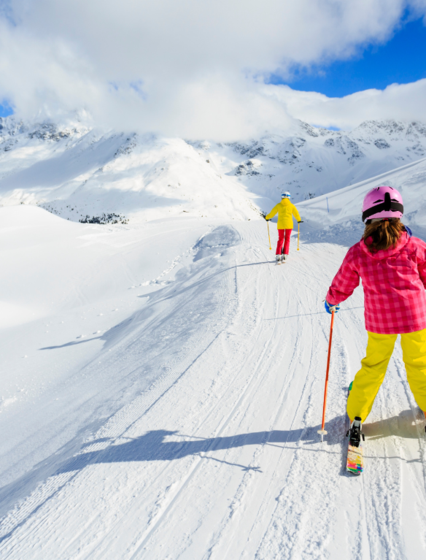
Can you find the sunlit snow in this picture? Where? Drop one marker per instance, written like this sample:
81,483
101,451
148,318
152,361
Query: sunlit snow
162,379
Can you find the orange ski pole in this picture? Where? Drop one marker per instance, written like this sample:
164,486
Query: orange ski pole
322,431
298,235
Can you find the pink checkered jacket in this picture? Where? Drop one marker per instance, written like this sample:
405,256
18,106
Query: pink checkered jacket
394,284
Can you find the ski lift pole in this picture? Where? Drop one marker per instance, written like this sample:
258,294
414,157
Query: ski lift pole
267,223
322,431
298,235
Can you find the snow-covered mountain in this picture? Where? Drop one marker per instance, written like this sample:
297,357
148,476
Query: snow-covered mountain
80,173
75,172
313,161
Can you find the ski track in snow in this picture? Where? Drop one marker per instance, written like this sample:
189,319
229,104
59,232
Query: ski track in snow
215,455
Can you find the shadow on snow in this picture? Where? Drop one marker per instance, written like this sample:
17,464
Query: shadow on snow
155,446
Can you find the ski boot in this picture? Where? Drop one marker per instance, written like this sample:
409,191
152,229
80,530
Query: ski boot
283,258
355,433
277,259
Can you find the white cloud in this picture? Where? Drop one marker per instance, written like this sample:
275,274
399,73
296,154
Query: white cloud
397,101
196,64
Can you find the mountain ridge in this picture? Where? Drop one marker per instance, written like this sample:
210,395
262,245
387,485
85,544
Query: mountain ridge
80,172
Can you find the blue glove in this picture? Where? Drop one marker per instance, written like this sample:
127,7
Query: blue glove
329,308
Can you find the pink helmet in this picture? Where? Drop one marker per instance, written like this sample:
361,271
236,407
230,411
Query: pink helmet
382,202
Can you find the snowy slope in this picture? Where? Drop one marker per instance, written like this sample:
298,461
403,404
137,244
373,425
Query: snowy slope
75,171
162,380
337,215
162,392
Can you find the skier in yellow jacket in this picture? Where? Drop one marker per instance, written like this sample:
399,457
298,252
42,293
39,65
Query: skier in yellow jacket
286,210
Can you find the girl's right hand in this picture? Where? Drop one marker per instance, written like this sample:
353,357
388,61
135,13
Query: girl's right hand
330,308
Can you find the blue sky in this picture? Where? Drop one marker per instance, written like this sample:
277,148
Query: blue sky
401,60
5,110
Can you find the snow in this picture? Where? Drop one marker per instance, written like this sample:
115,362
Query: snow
76,171
162,384
338,214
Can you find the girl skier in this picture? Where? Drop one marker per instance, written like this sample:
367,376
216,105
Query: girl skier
392,266
286,210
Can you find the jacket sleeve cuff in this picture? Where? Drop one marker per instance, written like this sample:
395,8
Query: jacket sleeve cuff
331,300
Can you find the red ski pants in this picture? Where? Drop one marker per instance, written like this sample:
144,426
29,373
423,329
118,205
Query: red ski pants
283,239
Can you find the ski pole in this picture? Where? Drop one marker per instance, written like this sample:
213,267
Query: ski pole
270,248
298,235
322,431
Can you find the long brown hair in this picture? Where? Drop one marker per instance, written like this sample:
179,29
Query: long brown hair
383,234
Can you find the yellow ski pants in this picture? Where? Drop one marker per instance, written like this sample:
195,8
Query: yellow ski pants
373,369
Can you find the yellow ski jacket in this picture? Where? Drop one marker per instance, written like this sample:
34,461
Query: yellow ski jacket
286,210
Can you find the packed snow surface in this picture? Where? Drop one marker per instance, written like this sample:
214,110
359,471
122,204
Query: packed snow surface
162,387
